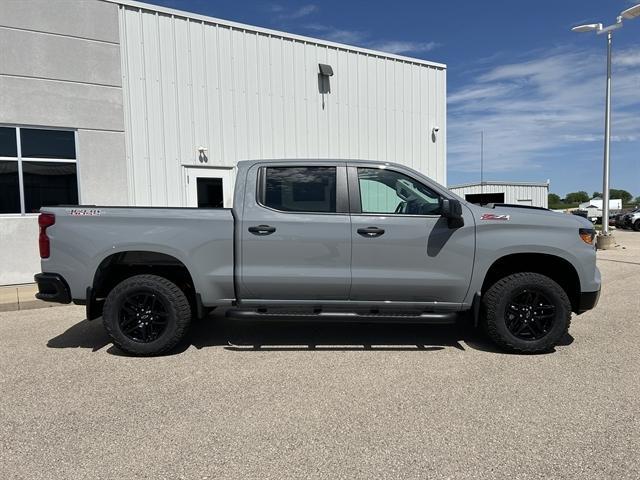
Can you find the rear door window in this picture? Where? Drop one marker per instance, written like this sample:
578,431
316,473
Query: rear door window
300,189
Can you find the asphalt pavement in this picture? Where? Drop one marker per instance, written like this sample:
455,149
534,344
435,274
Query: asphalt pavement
277,400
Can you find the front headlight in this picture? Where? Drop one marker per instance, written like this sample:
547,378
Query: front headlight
587,235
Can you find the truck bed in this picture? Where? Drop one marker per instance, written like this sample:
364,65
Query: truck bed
83,237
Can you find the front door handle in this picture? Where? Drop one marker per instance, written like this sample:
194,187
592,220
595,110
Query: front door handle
262,230
371,232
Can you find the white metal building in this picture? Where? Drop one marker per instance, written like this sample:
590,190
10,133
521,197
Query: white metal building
517,193
118,102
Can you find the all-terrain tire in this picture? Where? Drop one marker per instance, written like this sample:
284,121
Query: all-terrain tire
176,311
495,302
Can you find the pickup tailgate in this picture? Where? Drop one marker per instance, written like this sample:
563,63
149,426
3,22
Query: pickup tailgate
202,239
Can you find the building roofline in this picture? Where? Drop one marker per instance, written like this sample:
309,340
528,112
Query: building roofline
519,184
267,31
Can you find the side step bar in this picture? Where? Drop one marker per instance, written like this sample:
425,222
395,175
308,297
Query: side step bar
427,317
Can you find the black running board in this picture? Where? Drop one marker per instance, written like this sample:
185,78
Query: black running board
427,317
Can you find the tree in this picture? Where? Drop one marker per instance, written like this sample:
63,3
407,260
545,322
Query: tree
637,201
553,199
621,194
577,197
596,195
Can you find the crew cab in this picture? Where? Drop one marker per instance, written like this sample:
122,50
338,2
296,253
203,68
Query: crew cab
325,240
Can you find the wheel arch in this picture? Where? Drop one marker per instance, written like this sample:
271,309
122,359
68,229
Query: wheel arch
118,266
557,268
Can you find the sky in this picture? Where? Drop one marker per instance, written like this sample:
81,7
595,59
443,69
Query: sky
514,70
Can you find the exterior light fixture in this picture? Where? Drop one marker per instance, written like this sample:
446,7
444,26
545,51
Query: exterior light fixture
324,73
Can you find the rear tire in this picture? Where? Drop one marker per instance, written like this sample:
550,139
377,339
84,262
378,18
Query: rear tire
146,315
526,313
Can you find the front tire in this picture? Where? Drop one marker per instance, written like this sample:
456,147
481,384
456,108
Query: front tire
526,313
146,315
636,226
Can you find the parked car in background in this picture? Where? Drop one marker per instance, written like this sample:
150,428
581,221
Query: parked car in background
631,220
324,240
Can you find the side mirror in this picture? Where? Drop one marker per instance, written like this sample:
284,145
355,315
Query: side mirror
452,210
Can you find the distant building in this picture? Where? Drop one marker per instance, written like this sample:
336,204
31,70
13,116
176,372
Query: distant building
516,193
597,204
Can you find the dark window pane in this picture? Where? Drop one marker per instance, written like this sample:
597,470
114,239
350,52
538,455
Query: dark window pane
301,189
9,188
49,184
210,193
38,143
385,191
8,147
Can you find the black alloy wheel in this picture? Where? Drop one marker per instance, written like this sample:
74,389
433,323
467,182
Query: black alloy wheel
143,316
529,314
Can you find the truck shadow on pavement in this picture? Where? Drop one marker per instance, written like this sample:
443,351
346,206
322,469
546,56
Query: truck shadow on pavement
251,336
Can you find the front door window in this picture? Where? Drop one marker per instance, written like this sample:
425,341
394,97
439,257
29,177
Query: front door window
387,192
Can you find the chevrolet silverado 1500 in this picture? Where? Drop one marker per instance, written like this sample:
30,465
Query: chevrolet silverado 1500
326,240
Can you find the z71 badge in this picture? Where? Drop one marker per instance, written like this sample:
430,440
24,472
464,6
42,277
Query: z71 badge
495,216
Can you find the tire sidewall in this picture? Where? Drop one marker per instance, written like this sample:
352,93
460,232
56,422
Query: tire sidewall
114,303
496,313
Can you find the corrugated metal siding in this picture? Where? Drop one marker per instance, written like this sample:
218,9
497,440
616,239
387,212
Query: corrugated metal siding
245,94
513,193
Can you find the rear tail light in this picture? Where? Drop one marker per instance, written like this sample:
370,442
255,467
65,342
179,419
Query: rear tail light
45,220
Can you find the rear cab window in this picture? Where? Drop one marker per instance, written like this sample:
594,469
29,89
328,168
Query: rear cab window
299,189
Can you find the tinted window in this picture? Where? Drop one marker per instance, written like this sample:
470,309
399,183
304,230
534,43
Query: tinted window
386,191
301,189
49,184
9,188
8,144
36,143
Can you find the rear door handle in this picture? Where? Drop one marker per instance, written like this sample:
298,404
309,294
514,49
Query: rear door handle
371,232
262,230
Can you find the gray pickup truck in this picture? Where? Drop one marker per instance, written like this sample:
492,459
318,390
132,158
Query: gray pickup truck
324,240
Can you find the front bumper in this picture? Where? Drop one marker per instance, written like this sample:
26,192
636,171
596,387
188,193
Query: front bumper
52,288
588,300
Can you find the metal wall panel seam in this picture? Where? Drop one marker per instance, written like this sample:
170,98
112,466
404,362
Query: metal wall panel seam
259,94
162,124
232,89
220,106
147,158
182,190
205,89
190,87
124,65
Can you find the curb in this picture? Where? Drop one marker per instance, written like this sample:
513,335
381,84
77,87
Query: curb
20,297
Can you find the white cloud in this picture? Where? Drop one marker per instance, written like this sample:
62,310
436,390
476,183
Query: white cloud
364,39
338,35
303,11
399,46
532,109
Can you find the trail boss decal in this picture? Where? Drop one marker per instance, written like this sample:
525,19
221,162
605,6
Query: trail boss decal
84,212
494,216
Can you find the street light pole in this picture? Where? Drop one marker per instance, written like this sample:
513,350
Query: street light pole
628,14
607,142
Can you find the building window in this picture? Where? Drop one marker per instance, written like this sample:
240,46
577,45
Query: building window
301,189
37,168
